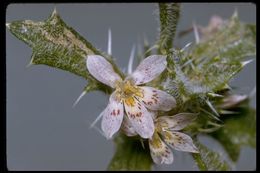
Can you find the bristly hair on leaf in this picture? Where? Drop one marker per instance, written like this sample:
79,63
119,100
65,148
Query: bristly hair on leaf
169,17
57,45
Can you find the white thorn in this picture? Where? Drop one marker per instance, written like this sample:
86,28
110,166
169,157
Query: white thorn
109,46
145,41
124,70
96,120
209,113
131,60
228,112
196,33
30,63
55,10
186,46
235,14
153,47
54,13
246,62
100,131
215,95
215,124
226,86
186,63
212,108
252,93
78,99
139,50
7,25
142,143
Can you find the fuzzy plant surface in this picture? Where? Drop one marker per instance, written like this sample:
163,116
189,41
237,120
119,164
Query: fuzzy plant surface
172,96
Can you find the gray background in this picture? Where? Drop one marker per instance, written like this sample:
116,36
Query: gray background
44,132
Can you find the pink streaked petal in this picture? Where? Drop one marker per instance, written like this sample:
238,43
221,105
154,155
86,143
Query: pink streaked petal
176,122
148,69
140,118
179,141
127,128
155,99
102,70
112,117
160,152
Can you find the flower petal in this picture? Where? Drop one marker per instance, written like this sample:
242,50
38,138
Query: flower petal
127,127
160,152
112,117
102,70
232,101
176,122
179,141
148,69
140,118
155,99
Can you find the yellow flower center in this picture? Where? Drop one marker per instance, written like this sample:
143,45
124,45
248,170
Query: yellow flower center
156,142
160,128
126,90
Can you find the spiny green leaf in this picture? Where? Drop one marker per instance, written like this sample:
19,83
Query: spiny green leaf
208,160
130,155
56,44
169,16
216,59
209,65
238,130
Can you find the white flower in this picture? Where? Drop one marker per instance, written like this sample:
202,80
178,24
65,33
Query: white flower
168,127
130,98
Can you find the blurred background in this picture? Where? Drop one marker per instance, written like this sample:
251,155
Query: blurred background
44,132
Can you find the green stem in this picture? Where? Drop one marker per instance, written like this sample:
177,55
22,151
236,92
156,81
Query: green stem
169,16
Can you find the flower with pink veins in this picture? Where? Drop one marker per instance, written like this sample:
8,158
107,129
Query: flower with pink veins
128,97
168,127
